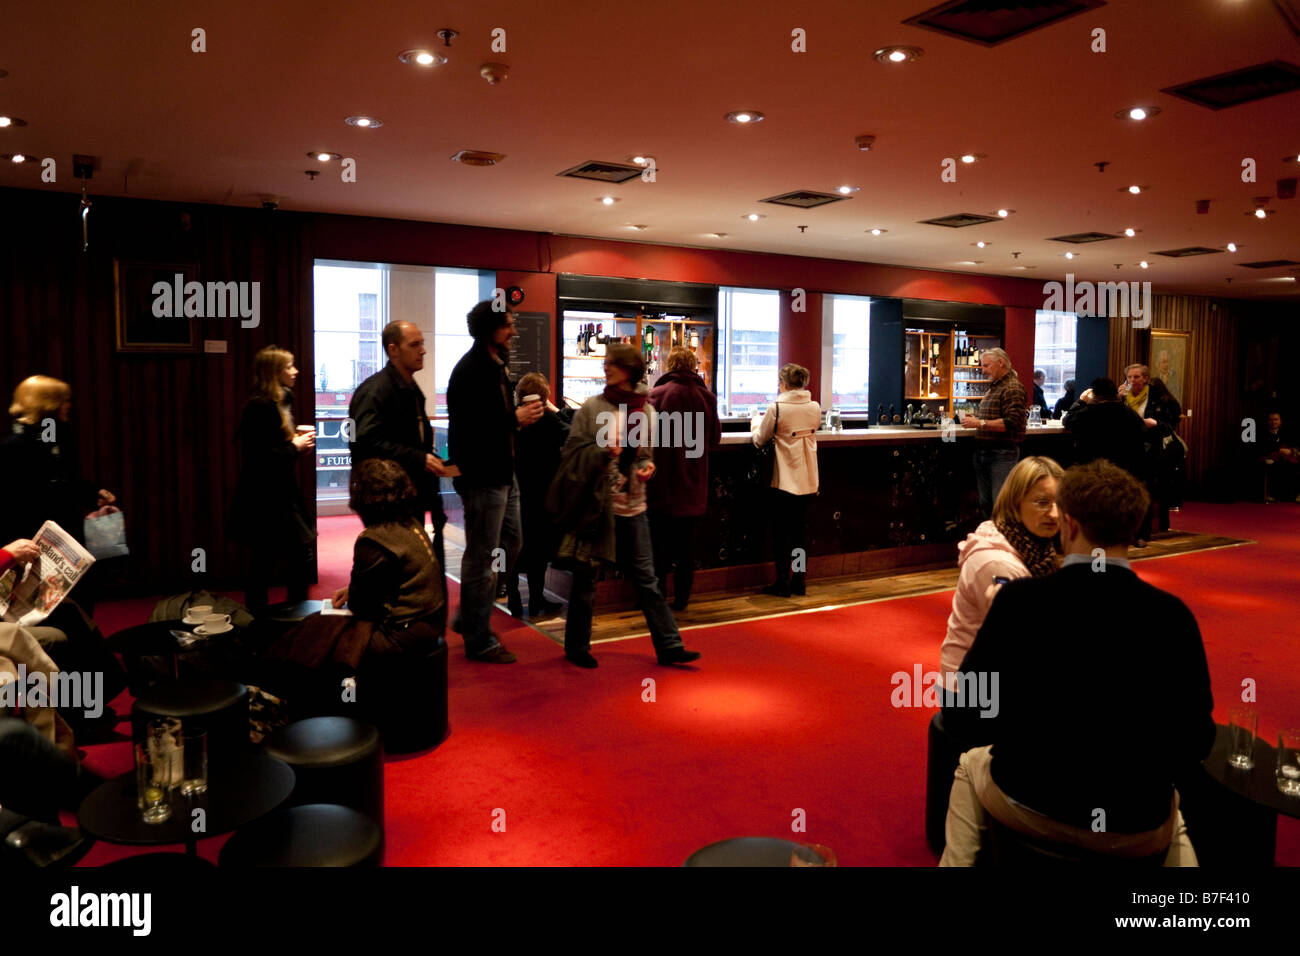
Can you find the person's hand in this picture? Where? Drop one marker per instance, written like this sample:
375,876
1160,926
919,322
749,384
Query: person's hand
1123,388
304,441
434,464
340,597
24,551
550,406
529,412
969,421
106,497
1086,397
1150,422
646,471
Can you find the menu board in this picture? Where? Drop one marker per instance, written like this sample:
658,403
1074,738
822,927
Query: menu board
530,350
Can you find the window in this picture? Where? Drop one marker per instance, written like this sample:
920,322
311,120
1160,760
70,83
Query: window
455,292
850,337
747,323
1055,346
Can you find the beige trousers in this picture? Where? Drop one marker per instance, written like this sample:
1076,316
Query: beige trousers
976,798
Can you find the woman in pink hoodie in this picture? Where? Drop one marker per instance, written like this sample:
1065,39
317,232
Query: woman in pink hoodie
1018,542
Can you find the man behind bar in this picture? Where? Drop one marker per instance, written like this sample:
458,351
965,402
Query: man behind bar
1000,422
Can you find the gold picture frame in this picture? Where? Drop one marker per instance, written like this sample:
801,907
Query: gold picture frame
1170,361
138,329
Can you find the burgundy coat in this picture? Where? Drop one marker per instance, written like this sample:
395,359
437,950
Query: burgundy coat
680,485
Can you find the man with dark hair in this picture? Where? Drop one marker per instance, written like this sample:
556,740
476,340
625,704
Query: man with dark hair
1040,398
1280,459
389,421
481,442
1063,764
1104,427
1066,401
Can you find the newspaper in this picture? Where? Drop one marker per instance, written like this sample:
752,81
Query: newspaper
28,598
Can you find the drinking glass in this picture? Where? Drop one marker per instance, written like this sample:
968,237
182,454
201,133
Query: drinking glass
194,761
1288,762
1243,724
150,786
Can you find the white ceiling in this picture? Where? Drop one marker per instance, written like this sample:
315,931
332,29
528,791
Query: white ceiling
603,82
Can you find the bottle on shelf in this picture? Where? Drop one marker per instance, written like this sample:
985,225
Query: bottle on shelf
907,419
884,419
896,418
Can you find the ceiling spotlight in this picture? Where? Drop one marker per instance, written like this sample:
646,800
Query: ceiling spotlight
1135,190
1232,247
422,58
365,122
898,54
847,190
494,73
864,142
1144,264
1069,255
980,245
745,117
971,157
607,200
718,235
1130,232
17,158
1261,213
878,232
754,217
13,121
1003,213
643,160
639,226
1138,113
477,157
324,157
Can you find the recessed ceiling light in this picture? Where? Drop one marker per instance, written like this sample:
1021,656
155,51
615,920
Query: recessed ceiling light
11,121
1069,255
877,232
898,54
1232,247
607,200
979,245
477,157
754,216
422,58
642,160
1137,113
745,117
324,157
17,158
719,235
1130,232
639,225
1260,213
365,122
1144,264
846,190
971,157
1003,213
970,262
1135,189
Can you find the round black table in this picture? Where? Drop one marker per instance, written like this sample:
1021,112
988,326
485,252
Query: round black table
245,790
755,851
1245,831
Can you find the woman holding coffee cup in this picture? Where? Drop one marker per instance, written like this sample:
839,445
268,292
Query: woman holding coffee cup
268,515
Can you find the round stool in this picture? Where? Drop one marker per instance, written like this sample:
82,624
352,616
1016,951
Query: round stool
761,851
335,760
220,707
161,863
315,835
411,708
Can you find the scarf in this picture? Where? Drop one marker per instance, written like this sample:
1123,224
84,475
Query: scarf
635,401
1135,401
1039,554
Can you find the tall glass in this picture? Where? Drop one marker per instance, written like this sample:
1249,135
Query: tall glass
150,786
1243,725
194,761
1288,762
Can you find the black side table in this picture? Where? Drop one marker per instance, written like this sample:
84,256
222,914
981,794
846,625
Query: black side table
242,792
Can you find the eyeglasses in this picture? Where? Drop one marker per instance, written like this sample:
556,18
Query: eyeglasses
1043,504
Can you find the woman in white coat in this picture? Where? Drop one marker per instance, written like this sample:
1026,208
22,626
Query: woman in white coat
792,421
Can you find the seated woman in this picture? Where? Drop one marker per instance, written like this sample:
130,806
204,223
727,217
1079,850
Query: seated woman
1018,542
393,642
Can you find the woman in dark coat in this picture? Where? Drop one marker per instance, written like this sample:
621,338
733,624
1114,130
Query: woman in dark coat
680,492
537,457
268,516
1166,452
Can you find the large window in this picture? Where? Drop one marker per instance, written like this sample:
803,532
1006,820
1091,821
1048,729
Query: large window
850,319
1055,346
747,348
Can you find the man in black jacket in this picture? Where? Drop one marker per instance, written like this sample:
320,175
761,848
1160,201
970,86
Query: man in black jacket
1087,729
481,442
389,421
1104,427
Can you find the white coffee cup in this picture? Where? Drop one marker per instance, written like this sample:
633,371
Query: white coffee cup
216,620
197,613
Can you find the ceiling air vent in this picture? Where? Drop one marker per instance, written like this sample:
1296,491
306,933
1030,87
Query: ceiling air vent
959,219
990,22
1270,264
1082,237
1187,251
477,157
803,199
1240,86
603,172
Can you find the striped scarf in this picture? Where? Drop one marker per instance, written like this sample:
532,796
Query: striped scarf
1135,401
1039,554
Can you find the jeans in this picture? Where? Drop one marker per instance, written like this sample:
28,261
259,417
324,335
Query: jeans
992,465
636,560
491,521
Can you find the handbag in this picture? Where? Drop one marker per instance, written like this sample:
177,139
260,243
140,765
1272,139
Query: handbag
106,535
764,460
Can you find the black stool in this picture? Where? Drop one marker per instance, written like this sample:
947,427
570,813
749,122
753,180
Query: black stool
410,710
319,834
219,707
942,756
335,760
1011,848
162,864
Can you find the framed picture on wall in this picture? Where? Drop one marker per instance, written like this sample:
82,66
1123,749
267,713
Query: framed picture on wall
1170,354
146,320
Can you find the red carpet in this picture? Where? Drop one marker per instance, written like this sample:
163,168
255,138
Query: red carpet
782,715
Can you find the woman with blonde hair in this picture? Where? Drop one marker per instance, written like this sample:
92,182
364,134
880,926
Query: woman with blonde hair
268,515
1019,541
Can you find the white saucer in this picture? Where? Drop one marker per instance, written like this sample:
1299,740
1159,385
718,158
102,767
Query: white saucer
207,630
